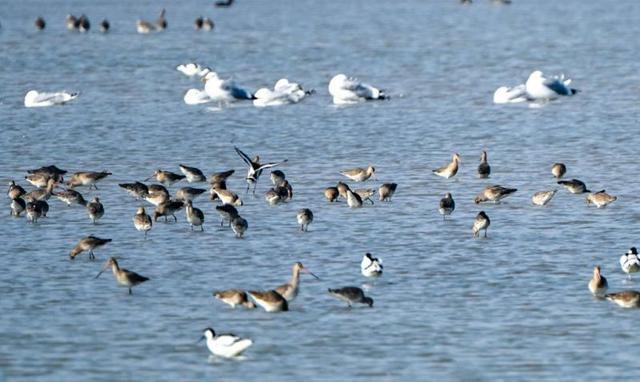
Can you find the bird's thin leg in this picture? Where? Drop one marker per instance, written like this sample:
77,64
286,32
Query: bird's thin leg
201,228
130,292
175,219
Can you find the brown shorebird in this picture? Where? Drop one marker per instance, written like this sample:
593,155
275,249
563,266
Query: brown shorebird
239,225
449,170
167,178
481,222
220,176
142,221
255,168
598,284
17,206
305,217
277,177
234,297
626,299
195,216
494,194
41,193
351,295
353,200
95,209
41,180
227,212
193,174
36,210
558,170
86,178
228,197
342,189
70,197
168,208
137,190
290,290
365,194
484,170
386,191
124,277
189,193
285,190
574,186
157,194
270,301
15,190
541,198
273,197
359,174
39,23
88,243
331,193
447,205
600,199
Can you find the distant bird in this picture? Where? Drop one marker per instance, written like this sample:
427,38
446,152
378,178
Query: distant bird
34,98
625,299
270,301
137,190
224,91
207,24
290,290
630,262
234,297
195,216
161,22
484,170
95,209
481,222
144,27
351,295
40,24
70,197
540,88
239,226
600,199
87,178
192,69
353,200
541,198
284,92
305,217
166,209
15,190
227,212
198,23
70,22
574,186
447,205
386,191
142,221
449,170
494,194
225,345
255,168
104,26
18,205
359,174
193,174
123,277
166,177
348,90
371,266
82,24
558,170
505,94
331,194
598,284
224,3
88,243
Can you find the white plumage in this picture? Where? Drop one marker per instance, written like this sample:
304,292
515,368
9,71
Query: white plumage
540,88
506,94
283,93
37,99
371,266
225,345
630,262
196,97
192,69
220,90
346,90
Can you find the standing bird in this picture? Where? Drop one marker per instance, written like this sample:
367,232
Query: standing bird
207,24
450,169
353,200
161,23
225,345
630,262
494,194
371,266
123,277
142,221
166,177
193,174
574,186
227,197
137,190
270,301
558,170
331,193
351,295
277,177
95,209
305,217
15,190
168,208
104,26
386,191
481,222
34,211
189,193
195,216
598,284
255,168
239,226
290,290
88,243
17,206
39,23
600,199
86,178
82,24
227,212
484,170
198,23
447,205
625,299
234,297
70,197
541,198
359,174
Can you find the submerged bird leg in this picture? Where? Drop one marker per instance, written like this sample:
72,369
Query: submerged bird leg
247,191
145,235
175,219
201,228
221,222
130,292
91,255
191,227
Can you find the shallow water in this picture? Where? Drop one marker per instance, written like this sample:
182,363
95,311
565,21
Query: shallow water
512,307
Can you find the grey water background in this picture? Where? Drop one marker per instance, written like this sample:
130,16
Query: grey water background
512,307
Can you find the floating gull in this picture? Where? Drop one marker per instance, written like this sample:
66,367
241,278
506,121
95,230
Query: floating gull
220,90
539,88
283,93
196,97
192,69
35,98
346,90
505,94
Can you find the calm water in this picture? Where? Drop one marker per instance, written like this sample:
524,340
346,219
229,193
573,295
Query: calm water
512,307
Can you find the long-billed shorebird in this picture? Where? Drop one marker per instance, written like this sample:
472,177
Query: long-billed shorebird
351,295
277,177
15,190
273,197
156,194
255,168
36,210
88,243
166,209
228,197
598,284
227,212
353,200
630,262
167,178
600,199
558,170
625,299
481,222
95,209
371,266
270,301
494,194
193,174
359,174
386,191
574,186
42,180
86,178
541,198
142,221
304,217
70,197
447,205
18,205
220,176
331,194
124,277
365,194
225,345
52,171
195,216
290,290
41,193
484,170
449,170
137,189
239,225
189,193
234,297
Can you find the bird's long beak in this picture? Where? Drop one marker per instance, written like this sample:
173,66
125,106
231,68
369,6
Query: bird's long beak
311,273
98,275
200,340
150,177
